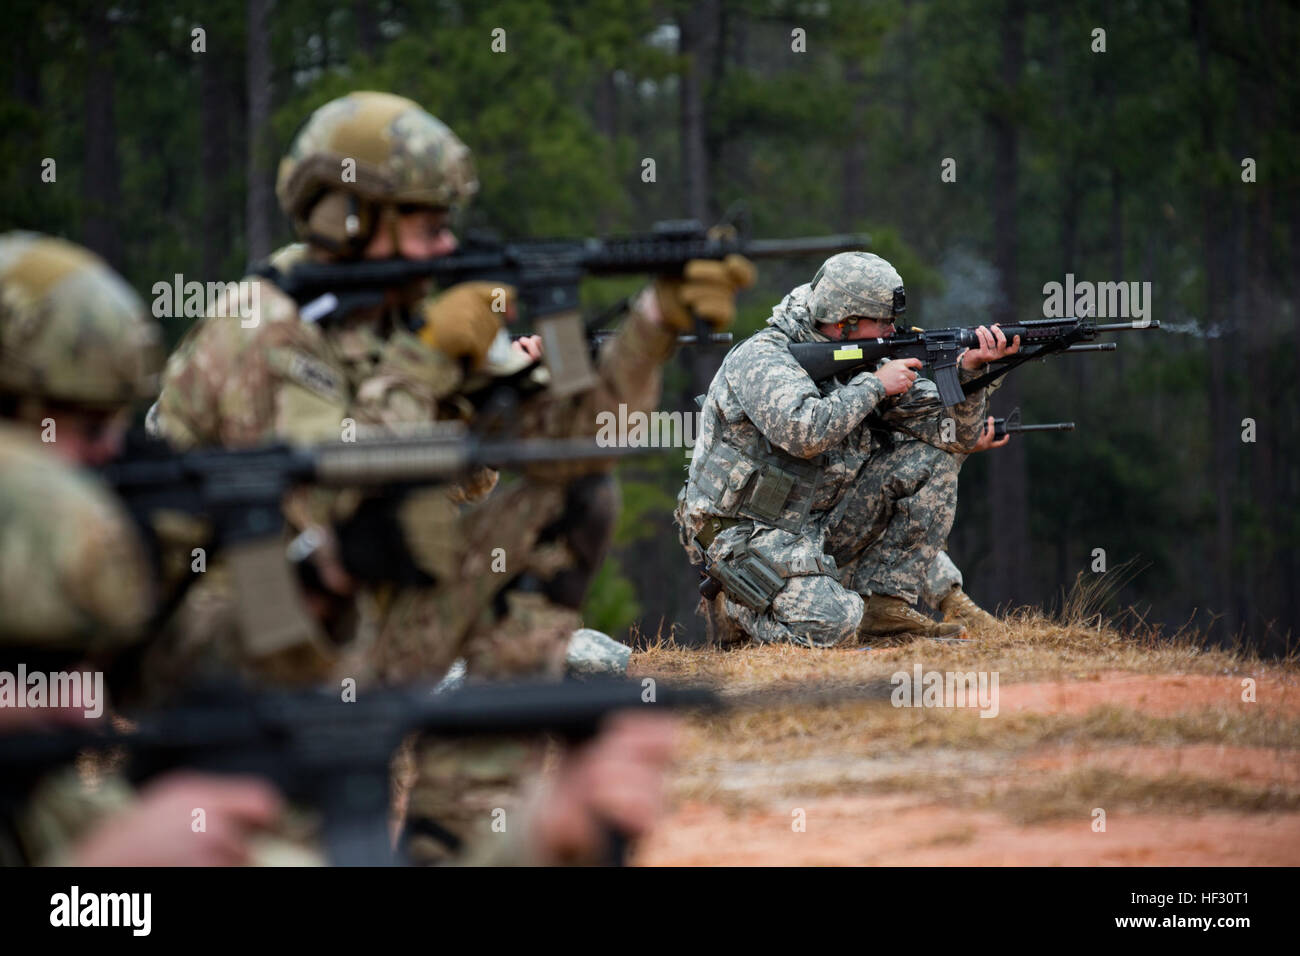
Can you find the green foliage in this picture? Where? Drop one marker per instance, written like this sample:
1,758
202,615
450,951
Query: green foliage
1128,168
611,604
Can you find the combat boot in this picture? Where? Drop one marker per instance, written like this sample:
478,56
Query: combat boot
959,607
720,629
886,616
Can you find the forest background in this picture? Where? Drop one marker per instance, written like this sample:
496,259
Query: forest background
988,148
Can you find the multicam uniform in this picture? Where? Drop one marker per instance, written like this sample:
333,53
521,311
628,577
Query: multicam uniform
74,578
802,509
509,602
236,382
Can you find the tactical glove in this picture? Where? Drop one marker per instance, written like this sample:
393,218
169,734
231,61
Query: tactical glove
707,290
463,322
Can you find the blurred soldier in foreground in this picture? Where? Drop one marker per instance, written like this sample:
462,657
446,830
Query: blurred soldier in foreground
75,585
819,512
285,374
76,348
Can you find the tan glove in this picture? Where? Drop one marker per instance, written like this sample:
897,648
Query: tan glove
707,289
463,322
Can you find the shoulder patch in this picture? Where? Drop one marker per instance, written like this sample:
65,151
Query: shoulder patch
310,373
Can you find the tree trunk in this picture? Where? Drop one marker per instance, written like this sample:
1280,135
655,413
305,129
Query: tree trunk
1223,430
695,160
1007,469
853,200
260,200
214,162
363,17
102,177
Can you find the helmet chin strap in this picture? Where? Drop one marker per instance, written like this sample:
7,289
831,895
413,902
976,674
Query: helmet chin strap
388,216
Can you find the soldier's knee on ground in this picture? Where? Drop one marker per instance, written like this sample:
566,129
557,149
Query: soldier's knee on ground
818,611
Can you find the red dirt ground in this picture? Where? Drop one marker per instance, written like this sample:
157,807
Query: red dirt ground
1161,694
888,830
919,829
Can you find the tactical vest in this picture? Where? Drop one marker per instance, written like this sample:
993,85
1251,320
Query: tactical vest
759,481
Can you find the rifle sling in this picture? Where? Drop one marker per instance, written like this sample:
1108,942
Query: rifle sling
989,377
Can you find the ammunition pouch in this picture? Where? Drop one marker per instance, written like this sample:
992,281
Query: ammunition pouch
762,483
748,578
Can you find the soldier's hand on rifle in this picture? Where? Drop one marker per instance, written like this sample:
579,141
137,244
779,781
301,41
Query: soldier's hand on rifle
463,322
614,780
707,290
530,345
987,441
898,375
157,830
993,346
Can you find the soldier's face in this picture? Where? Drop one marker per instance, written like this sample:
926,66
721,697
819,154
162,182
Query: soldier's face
85,437
421,234
866,329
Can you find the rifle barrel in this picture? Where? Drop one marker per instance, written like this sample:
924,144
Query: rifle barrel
1047,427
715,338
805,245
1127,327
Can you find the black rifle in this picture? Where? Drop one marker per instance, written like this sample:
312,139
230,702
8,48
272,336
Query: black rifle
940,349
239,493
546,272
1011,425
327,753
600,336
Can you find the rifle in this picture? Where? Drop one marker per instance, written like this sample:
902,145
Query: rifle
335,755
327,753
601,336
940,349
1011,425
545,272
240,493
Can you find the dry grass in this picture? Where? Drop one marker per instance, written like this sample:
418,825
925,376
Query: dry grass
747,757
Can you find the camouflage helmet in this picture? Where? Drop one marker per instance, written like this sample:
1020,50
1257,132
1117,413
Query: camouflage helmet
71,329
363,153
853,285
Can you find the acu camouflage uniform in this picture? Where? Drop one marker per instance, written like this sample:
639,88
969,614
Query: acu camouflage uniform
816,497
942,579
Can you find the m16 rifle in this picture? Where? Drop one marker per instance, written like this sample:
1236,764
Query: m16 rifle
546,273
335,755
327,753
940,350
239,494
1011,425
